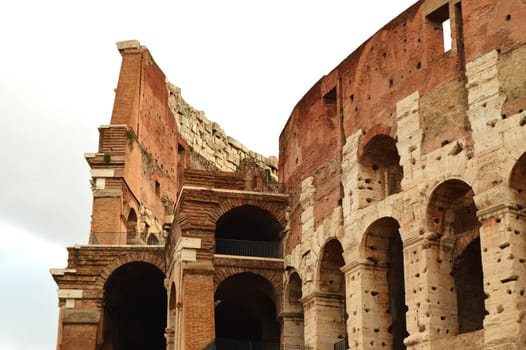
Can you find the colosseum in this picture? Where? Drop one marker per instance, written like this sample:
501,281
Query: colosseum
394,218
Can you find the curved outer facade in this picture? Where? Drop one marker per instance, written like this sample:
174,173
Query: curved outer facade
398,207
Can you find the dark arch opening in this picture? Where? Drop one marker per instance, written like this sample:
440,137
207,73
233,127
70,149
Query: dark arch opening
245,315
135,308
152,239
248,231
384,248
332,284
292,313
131,227
382,164
295,293
452,212
468,274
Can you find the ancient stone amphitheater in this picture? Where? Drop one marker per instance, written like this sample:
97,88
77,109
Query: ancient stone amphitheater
394,218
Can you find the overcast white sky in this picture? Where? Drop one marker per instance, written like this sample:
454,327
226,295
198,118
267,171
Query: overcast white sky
245,63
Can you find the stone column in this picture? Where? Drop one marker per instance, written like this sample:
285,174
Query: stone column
430,291
367,305
324,323
503,250
292,329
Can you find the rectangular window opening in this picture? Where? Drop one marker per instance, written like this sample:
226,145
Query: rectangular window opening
330,103
446,35
441,26
157,188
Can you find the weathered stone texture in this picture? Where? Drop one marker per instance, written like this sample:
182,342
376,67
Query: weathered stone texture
400,223
208,139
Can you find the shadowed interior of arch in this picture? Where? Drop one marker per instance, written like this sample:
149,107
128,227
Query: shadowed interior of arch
134,308
245,314
452,213
248,231
384,249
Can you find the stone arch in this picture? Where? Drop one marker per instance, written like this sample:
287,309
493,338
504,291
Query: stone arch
451,209
128,257
131,219
276,210
275,279
134,309
452,215
246,312
378,129
330,261
152,239
292,314
382,248
331,294
248,230
131,225
293,291
380,173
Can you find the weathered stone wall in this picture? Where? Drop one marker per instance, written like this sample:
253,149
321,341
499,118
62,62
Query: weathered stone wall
450,119
207,139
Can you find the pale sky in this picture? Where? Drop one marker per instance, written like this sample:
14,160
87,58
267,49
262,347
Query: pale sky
244,63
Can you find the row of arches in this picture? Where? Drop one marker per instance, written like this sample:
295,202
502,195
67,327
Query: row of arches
138,310
247,305
384,279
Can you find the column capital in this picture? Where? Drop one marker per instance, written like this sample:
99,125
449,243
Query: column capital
498,210
361,263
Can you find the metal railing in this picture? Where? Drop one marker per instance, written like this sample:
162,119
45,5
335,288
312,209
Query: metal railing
341,345
244,344
248,248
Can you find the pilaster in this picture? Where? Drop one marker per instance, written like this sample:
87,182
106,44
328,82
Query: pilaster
430,291
503,247
323,319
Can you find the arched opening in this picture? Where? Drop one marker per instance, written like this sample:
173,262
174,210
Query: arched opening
292,315
134,308
245,314
452,213
380,169
248,231
332,289
294,293
152,239
383,248
131,226
467,271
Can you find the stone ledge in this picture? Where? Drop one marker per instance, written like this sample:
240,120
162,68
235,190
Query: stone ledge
81,316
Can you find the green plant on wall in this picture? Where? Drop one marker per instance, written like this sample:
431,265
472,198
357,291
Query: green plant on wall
107,158
131,135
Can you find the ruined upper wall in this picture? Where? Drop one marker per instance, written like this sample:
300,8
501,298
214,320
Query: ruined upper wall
153,137
209,141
